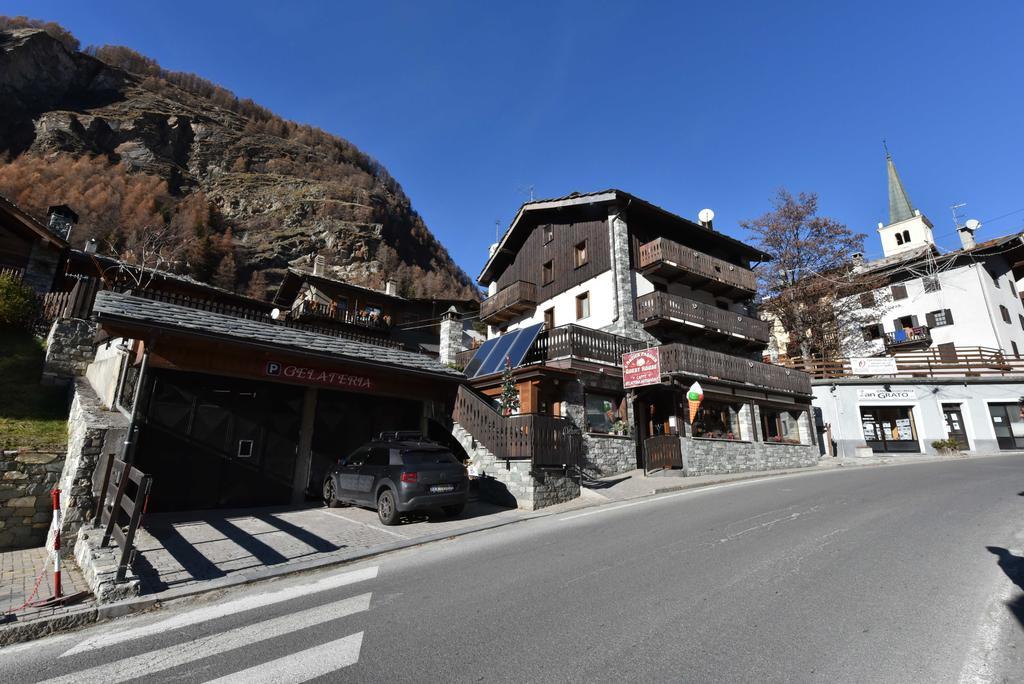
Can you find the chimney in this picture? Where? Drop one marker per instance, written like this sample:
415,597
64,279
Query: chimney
966,232
391,287
61,219
858,260
451,336
320,265
91,246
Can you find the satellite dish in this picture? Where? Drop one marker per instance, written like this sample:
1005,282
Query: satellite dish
706,216
972,224
275,314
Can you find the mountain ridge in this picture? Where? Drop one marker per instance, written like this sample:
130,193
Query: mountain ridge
155,160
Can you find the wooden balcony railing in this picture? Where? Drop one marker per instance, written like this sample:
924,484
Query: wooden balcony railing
664,306
544,440
584,344
908,337
689,360
518,297
675,261
306,310
926,363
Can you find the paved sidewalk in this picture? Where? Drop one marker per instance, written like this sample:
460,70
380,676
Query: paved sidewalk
177,551
19,572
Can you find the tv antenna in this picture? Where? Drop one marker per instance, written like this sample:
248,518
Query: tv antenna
957,214
527,189
497,230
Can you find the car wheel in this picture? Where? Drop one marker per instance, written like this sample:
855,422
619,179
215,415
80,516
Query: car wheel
329,494
453,511
386,509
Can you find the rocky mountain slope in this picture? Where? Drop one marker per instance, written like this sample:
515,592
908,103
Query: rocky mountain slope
270,193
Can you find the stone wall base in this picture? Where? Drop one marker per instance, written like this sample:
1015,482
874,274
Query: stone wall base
99,567
26,507
69,349
717,457
610,455
512,483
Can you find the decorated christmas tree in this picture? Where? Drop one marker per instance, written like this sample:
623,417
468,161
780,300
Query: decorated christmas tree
509,394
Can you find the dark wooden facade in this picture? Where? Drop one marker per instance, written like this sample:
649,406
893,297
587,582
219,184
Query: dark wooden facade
560,250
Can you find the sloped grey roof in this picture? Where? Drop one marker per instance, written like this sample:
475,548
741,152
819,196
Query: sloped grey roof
900,208
116,306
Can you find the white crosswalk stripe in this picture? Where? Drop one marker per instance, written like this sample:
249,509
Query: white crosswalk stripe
302,666
214,644
220,610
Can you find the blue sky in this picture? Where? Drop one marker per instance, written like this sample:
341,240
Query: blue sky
688,105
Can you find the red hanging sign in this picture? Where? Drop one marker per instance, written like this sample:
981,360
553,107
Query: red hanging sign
641,368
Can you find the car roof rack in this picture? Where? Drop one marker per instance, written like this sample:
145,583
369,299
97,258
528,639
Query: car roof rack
402,436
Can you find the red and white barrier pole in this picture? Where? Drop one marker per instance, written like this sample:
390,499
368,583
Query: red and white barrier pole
56,543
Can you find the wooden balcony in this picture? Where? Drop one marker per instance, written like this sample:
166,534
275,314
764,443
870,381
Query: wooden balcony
660,309
672,261
517,298
315,312
905,338
695,361
580,344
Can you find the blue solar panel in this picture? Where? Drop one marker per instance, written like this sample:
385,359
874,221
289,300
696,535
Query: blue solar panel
479,357
521,345
496,359
490,358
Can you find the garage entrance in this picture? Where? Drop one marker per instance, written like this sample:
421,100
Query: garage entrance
216,442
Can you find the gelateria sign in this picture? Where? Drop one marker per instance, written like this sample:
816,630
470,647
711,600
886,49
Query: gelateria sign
886,395
316,376
641,368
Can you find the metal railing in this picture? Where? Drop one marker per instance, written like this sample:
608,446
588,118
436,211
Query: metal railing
697,263
689,360
667,306
547,441
517,296
908,336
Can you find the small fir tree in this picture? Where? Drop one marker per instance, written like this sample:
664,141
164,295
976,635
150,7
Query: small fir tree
509,394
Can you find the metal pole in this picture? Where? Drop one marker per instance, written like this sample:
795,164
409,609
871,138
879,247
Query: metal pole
128,456
55,493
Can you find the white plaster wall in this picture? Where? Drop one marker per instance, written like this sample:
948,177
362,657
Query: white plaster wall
841,408
602,306
920,234
105,370
968,292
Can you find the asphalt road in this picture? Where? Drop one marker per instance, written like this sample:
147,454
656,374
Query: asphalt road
860,575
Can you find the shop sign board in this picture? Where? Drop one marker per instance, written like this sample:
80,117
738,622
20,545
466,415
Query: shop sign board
886,395
316,376
641,368
874,365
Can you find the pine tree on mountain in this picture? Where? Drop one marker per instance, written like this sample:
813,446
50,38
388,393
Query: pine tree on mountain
257,287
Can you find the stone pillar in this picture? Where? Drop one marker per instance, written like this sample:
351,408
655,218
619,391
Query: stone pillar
451,336
304,454
804,425
746,421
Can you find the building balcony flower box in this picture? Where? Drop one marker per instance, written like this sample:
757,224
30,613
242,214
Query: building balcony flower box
909,337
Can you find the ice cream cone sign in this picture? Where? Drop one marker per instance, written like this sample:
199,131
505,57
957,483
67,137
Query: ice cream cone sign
694,396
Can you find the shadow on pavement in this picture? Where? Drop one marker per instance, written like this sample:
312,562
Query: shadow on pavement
1013,566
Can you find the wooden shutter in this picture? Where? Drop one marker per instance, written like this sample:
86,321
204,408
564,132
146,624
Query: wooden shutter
899,291
930,319
947,352
914,322
867,300
896,324
949,317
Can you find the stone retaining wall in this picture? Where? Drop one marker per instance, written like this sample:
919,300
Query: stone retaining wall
99,567
92,431
720,456
26,507
69,349
610,454
511,483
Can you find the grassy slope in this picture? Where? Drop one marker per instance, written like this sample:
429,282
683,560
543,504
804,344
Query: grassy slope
31,415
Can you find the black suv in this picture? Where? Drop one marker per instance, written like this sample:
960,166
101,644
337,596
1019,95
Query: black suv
399,472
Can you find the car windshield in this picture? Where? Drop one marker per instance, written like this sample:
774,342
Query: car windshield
427,457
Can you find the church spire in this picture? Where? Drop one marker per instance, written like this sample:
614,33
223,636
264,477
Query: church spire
900,208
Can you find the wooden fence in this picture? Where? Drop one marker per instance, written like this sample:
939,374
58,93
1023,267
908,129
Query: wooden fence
662,452
74,303
14,273
929,363
573,341
120,511
689,360
545,440
663,305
